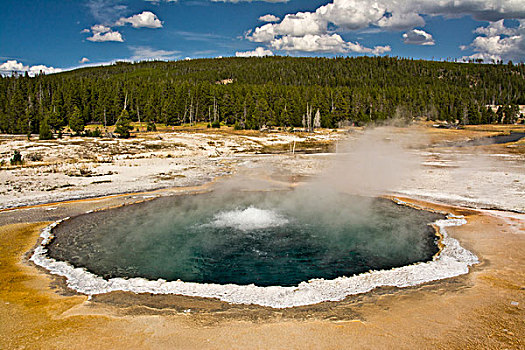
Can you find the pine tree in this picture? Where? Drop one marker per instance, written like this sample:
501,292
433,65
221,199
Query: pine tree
45,132
123,125
55,121
76,123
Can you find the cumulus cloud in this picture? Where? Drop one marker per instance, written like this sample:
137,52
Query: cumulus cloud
495,28
407,14
39,69
297,25
418,37
102,33
392,15
146,19
401,21
11,66
352,14
323,43
263,34
498,42
258,52
141,53
269,18
99,29
376,50
109,36
311,43
84,60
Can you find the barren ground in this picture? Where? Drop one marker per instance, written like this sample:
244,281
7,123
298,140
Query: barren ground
484,309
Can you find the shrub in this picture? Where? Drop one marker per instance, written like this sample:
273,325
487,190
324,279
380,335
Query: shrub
151,127
17,158
216,124
238,126
35,157
94,133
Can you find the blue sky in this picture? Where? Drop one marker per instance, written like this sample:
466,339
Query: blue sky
50,35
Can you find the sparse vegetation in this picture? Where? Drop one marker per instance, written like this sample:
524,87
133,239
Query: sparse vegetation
35,157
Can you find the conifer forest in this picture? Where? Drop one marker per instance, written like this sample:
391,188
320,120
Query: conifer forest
253,93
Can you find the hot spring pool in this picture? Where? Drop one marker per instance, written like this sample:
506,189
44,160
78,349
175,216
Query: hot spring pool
260,238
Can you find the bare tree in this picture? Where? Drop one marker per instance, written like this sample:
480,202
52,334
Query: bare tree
317,120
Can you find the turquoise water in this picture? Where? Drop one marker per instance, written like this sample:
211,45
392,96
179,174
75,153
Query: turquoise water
275,238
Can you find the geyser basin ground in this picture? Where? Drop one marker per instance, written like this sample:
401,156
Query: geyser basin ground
256,248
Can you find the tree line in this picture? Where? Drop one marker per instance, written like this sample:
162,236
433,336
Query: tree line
255,92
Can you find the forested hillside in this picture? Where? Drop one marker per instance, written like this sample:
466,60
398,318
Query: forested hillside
271,91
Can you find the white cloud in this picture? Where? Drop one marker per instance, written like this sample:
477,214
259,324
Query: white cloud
297,25
323,43
13,65
99,28
142,53
376,50
302,23
262,34
84,60
34,70
495,28
269,18
102,33
145,19
393,15
10,66
311,43
418,37
352,14
399,15
401,21
109,36
487,58
258,52
498,42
